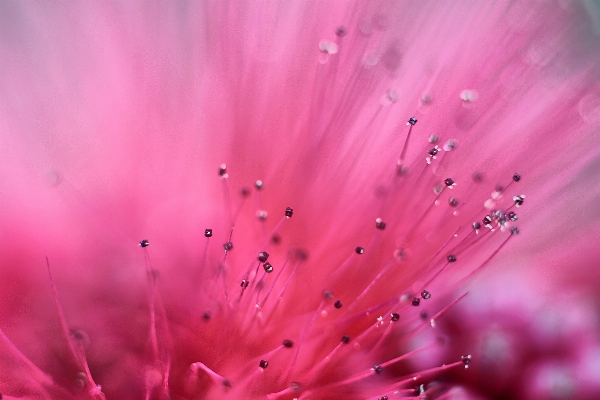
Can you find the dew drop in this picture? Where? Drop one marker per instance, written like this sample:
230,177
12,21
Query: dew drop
469,95
327,47
450,145
589,108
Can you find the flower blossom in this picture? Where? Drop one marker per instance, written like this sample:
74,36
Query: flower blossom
286,200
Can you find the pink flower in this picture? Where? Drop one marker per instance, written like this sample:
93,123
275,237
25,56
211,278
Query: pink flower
356,163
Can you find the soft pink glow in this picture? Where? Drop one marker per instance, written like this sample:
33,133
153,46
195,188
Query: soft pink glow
114,119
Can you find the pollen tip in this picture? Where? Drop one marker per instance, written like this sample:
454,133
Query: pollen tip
223,171
144,243
289,212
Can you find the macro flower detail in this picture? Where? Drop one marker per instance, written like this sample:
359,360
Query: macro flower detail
230,200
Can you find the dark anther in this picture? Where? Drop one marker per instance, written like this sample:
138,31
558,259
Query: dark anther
208,232
337,304
416,301
341,31
425,294
327,295
359,250
263,364
227,383
476,226
258,184
295,386
144,243
289,212
516,177
345,339
449,182
268,267
512,216
487,220
499,188
519,200
433,151
301,254
288,343
275,239
451,258
223,170
453,202
466,360
379,224
245,192
395,317
383,398
206,315
228,246
412,121
477,177
244,283
263,256
377,368
514,231
423,315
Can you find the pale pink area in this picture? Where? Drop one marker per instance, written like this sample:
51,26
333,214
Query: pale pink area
115,117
